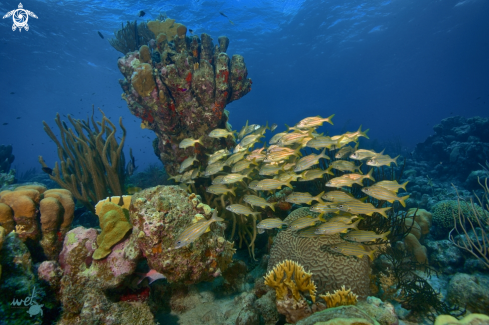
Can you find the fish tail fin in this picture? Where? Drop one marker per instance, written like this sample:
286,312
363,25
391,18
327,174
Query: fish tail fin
232,134
403,200
318,197
215,217
355,224
200,140
371,255
384,235
364,133
287,127
231,190
338,143
267,127
382,212
298,152
324,155
329,119
287,183
403,186
320,217
369,175
272,206
394,160
356,146
328,170
359,170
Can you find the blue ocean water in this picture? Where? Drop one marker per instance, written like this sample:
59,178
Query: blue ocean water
395,67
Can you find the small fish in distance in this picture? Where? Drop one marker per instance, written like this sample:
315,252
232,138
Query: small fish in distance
141,13
48,170
100,34
5,123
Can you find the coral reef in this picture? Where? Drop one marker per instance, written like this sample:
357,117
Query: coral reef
82,281
459,143
7,178
27,207
469,291
92,168
340,297
181,92
329,271
159,215
444,212
340,315
289,279
6,158
418,222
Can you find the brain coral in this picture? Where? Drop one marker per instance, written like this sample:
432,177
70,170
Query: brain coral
443,215
159,215
330,271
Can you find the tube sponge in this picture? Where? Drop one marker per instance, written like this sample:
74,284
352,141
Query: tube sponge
114,224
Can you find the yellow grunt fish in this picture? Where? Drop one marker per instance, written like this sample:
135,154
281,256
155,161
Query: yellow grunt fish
357,207
393,186
250,139
241,209
357,134
221,133
351,249
236,157
220,189
253,185
301,198
348,219
324,207
269,223
314,121
233,178
361,236
218,180
241,165
381,193
256,155
323,142
344,165
345,151
214,168
338,196
258,201
303,222
272,184
384,160
270,170
361,154
358,177
190,142
291,138
342,181
218,155
187,163
290,175
276,137
192,233
311,174
309,161
331,227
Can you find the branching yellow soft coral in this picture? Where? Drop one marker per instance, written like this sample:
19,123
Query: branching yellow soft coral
341,297
302,280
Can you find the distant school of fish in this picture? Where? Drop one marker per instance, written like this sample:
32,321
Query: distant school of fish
273,167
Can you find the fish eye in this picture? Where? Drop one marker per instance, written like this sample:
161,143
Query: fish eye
179,242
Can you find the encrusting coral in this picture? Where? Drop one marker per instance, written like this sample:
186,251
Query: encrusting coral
92,168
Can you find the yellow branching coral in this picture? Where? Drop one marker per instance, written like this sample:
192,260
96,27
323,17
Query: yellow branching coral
296,280
341,297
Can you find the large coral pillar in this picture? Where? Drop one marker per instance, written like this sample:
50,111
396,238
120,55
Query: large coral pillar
180,90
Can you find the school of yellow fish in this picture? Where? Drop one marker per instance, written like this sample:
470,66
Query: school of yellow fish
255,172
